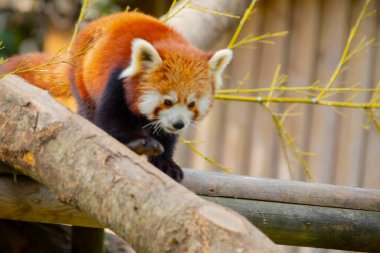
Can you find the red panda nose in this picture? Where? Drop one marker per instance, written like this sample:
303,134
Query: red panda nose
179,124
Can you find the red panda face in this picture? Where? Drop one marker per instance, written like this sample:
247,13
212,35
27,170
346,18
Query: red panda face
176,84
172,112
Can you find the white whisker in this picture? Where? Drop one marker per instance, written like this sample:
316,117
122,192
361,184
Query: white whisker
150,124
156,127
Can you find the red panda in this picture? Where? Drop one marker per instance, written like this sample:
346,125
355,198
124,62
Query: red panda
142,82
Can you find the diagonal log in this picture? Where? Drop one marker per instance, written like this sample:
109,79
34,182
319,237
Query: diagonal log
93,172
201,28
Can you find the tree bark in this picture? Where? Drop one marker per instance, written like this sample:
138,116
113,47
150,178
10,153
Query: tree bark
295,221
85,239
98,175
25,200
284,191
204,29
310,226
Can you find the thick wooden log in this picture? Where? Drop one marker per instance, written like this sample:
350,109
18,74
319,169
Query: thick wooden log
285,223
295,192
88,169
310,226
85,239
23,199
196,25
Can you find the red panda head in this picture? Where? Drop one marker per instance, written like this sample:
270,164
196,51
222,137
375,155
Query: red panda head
173,83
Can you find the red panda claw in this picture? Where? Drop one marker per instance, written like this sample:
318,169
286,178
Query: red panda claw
169,167
148,146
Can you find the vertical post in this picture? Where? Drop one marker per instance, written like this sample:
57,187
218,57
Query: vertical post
85,239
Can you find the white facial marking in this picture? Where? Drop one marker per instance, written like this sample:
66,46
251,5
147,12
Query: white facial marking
172,96
149,102
177,112
191,98
204,104
218,63
143,56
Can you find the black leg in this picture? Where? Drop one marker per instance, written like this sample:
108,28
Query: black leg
113,116
165,161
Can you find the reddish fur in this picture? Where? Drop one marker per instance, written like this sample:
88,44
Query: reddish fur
52,77
105,44
108,42
101,52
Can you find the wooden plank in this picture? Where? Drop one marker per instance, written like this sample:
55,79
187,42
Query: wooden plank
265,144
29,201
323,134
86,239
301,225
238,116
303,43
95,175
351,133
285,223
304,221
370,176
23,199
295,192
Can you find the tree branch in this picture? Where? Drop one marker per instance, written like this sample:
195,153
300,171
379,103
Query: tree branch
85,167
304,218
204,29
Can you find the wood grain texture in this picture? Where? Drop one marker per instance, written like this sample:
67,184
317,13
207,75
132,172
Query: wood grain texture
303,43
236,152
289,213
264,139
311,226
196,25
88,169
349,158
370,175
23,199
324,122
293,192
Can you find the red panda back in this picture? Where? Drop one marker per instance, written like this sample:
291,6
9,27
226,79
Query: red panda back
107,45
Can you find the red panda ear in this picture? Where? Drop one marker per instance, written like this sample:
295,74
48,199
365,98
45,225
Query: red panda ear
218,63
143,57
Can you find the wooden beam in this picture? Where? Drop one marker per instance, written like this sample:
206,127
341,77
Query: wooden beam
85,239
88,169
310,226
274,190
24,199
298,213
298,224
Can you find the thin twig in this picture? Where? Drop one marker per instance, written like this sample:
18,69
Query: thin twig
79,21
343,58
209,160
261,99
247,13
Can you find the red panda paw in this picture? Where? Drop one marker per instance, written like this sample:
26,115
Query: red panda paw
148,146
170,168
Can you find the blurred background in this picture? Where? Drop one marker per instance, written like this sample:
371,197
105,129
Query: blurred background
344,145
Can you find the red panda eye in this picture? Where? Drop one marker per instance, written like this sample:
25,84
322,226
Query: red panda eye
168,102
191,105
